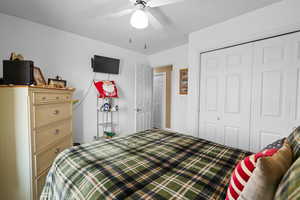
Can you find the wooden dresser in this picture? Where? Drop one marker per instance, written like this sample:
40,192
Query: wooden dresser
35,126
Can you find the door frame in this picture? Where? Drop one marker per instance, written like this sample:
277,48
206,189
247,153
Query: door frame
168,71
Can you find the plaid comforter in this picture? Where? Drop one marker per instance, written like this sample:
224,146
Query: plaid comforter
153,164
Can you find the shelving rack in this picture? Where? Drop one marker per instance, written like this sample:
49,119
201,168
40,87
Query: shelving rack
106,119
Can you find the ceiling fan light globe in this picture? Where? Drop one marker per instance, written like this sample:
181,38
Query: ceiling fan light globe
139,19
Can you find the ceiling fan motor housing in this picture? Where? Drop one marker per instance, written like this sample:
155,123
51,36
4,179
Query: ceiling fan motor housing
140,4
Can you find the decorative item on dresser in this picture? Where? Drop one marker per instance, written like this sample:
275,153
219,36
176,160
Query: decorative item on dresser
36,125
38,76
57,82
18,72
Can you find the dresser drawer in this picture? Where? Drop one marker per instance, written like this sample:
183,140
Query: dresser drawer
46,114
40,182
44,160
42,97
50,134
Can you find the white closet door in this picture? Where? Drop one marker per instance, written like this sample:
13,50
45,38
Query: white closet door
225,96
210,101
294,81
237,96
272,92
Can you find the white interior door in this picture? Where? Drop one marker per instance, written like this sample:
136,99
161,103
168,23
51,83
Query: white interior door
275,89
143,97
225,96
158,100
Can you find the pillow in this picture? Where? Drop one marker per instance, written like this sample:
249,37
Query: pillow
267,175
243,172
289,187
294,140
275,145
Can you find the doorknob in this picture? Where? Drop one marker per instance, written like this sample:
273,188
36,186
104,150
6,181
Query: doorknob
218,118
138,110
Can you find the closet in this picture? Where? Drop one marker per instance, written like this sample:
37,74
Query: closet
249,94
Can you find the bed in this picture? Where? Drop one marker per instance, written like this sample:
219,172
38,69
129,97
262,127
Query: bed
153,164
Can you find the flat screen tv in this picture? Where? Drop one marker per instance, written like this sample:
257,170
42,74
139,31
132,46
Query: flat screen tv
106,65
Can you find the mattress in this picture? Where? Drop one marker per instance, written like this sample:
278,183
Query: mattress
153,164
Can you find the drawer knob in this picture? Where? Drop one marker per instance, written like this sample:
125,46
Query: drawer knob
56,132
44,98
57,150
56,112
57,98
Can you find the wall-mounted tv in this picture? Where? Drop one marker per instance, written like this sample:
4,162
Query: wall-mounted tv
106,65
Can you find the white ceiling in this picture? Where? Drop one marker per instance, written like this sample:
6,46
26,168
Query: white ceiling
82,17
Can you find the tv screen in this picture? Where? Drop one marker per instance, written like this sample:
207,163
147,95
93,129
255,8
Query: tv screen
107,65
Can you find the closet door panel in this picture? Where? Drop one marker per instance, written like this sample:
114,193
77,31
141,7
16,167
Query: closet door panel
294,81
267,138
271,104
237,95
225,96
211,131
271,93
232,136
211,104
232,93
212,93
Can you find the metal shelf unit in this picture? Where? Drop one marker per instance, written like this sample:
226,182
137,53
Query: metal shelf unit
106,119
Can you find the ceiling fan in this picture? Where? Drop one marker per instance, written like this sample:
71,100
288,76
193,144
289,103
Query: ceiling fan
143,13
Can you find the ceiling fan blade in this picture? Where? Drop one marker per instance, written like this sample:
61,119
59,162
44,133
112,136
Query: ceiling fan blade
159,3
118,14
157,15
161,22
108,8
154,21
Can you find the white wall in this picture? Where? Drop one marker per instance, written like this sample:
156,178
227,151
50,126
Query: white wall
68,55
275,19
178,57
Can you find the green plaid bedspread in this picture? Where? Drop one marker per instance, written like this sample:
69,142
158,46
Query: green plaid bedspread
153,164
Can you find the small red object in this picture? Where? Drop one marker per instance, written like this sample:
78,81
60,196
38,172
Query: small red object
106,89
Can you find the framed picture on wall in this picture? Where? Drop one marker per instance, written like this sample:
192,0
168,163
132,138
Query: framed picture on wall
183,81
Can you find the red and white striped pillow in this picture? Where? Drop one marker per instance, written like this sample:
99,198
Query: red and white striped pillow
243,172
